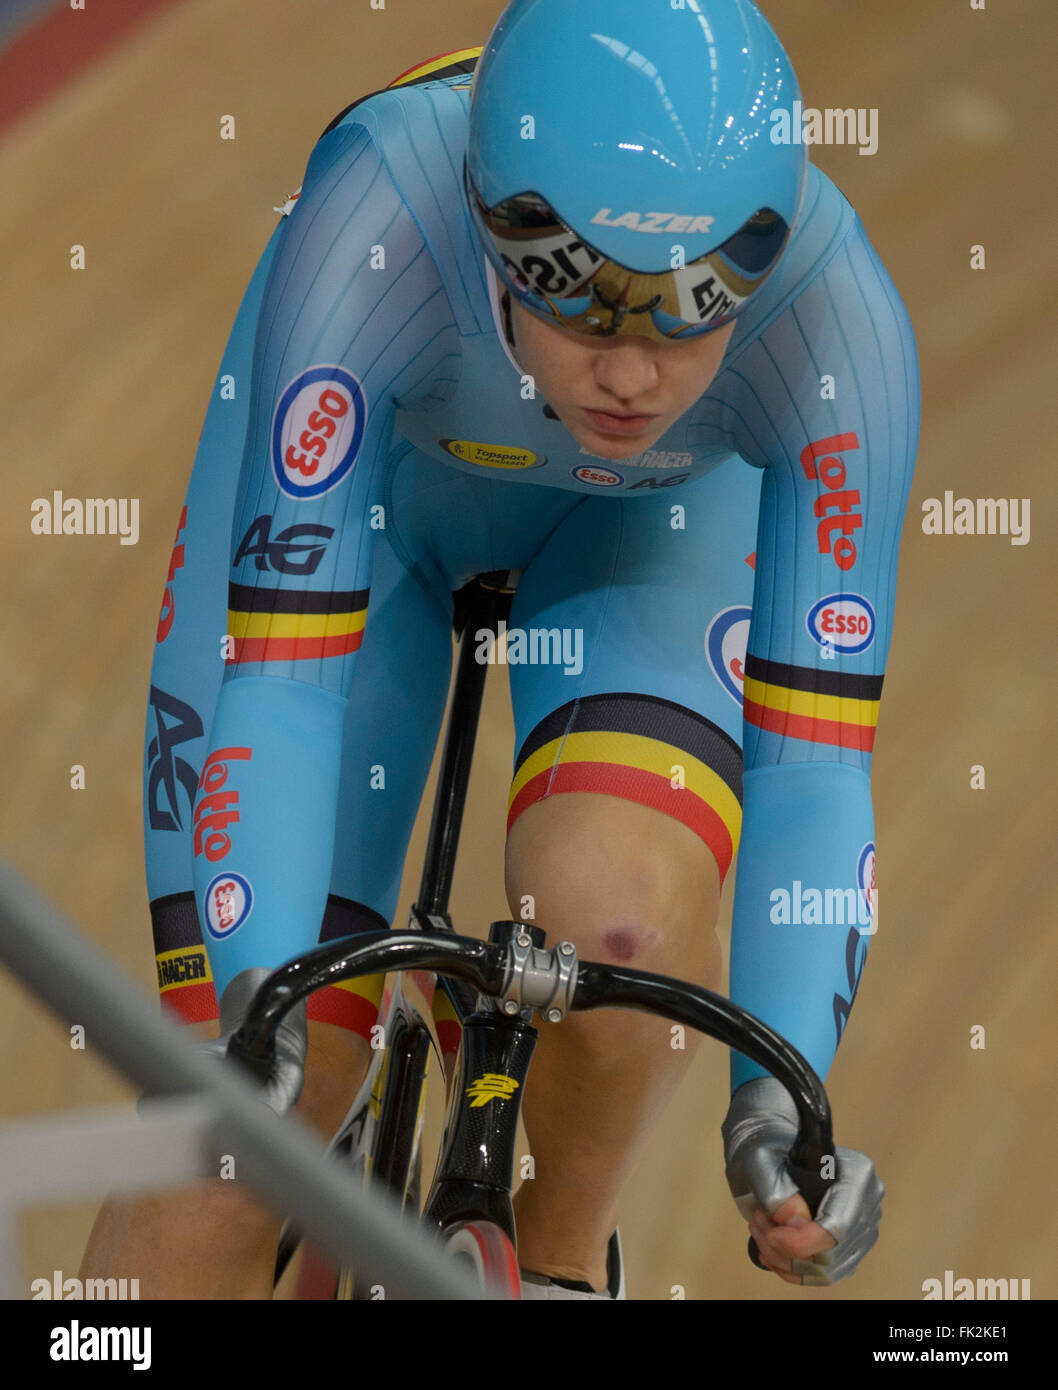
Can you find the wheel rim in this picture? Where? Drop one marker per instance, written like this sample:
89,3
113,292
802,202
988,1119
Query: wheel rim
487,1251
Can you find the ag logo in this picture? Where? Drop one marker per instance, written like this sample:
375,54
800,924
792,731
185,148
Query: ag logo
317,431
673,480
296,550
725,646
229,901
175,723
599,477
843,621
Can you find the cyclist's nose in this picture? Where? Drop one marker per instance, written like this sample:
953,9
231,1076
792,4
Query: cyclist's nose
627,370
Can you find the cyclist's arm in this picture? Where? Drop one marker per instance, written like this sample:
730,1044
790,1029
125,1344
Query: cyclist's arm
833,497
342,333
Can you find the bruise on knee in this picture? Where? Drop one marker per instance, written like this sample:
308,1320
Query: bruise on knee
623,941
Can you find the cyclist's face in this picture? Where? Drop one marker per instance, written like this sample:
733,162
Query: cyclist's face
590,381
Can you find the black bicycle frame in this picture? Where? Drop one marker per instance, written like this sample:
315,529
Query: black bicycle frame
475,1171
476,1167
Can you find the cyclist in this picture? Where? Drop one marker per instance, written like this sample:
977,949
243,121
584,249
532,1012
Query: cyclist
699,466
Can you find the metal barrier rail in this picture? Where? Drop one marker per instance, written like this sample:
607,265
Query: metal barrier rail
215,1112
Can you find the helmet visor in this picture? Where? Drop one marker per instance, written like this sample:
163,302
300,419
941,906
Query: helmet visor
559,276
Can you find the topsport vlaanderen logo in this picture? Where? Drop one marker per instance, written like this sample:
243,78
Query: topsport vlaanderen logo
317,431
725,646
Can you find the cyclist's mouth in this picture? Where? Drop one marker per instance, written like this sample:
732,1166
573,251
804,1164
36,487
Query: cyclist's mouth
607,423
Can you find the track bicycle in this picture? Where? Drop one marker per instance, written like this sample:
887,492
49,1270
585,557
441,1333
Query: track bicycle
494,987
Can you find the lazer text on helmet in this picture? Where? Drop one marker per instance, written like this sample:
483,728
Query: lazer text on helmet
653,221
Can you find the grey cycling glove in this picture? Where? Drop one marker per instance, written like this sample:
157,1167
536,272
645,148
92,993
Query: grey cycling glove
758,1132
283,1087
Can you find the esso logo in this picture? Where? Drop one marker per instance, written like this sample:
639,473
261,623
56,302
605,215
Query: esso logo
317,431
229,899
866,880
599,477
725,646
842,621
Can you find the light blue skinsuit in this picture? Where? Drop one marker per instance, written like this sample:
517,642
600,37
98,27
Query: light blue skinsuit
334,491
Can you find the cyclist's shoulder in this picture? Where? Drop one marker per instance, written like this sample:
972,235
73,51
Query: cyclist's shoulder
414,129
434,93
826,224
825,219
398,153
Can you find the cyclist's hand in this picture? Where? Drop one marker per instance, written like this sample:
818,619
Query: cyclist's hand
287,1077
759,1130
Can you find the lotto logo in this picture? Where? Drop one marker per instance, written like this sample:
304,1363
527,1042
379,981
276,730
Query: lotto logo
176,562
219,808
845,622
229,899
599,477
317,431
821,463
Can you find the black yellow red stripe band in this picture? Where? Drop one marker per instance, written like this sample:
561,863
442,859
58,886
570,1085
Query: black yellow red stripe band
185,980
642,749
294,625
831,707
436,66
351,1004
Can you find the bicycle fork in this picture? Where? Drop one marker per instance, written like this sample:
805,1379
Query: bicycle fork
476,1169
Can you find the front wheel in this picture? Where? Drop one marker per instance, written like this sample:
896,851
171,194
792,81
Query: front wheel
489,1254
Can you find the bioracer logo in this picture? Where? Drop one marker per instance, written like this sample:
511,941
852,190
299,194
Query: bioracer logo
653,221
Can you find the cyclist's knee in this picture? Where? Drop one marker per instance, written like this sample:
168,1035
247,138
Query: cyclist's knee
334,1068
625,882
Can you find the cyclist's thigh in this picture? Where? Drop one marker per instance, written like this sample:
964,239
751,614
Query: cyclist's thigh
627,778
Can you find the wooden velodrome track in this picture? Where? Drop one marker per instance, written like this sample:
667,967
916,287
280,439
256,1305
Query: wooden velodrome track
105,379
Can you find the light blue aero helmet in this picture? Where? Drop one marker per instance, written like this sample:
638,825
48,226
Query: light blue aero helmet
620,168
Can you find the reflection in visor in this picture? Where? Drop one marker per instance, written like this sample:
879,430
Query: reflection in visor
560,276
